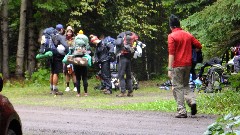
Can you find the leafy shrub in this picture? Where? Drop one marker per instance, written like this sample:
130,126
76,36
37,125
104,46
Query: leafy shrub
229,122
235,81
220,103
41,76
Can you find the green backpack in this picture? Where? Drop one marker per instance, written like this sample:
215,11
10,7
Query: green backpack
79,39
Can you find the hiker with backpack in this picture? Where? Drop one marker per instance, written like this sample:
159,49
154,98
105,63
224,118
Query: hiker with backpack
80,59
68,68
126,44
56,60
103,54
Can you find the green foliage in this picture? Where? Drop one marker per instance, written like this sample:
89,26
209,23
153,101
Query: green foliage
229,122
214,26
235,80
220,103
41,76
53,5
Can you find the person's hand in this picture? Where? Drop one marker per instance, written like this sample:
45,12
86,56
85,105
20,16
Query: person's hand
197,50
170,74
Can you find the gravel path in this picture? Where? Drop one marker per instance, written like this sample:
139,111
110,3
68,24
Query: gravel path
64,121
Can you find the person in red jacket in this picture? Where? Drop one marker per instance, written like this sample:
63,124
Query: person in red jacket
180,45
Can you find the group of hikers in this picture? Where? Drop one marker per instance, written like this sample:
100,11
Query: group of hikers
72,55
75,55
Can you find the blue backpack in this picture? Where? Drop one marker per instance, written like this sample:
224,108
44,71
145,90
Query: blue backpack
49,40
110,43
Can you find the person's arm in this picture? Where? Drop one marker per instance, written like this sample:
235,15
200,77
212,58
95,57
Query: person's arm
196,43
170,62
64,43
171,50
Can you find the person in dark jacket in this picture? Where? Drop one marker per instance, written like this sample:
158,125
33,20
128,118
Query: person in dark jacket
56,61
102,56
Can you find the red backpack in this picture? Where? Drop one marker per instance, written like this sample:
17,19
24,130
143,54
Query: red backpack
130,38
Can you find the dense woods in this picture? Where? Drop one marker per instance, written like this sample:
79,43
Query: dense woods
216,23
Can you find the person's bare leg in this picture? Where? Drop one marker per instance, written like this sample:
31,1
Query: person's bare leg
74,79
55,81
51,83
67,78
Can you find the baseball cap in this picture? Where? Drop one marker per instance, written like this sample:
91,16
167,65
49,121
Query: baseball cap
59,26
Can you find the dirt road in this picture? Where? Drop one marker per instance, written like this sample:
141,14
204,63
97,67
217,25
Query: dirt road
64,121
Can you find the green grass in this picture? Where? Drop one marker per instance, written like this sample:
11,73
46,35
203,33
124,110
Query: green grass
148,98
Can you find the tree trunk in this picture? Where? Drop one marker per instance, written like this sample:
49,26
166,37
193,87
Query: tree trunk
31,45
21,40
4,27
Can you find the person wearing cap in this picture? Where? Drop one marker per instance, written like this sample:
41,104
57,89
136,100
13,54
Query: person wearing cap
180,45
102,57
68,68
56,62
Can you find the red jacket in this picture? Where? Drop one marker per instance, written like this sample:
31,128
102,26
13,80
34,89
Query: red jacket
180,45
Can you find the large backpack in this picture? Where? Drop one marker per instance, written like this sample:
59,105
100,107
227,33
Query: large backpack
81,45
49,40
109,42
125,42
78,41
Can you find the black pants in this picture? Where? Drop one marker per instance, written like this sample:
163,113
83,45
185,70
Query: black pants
81,74
106,75
56,65
124,67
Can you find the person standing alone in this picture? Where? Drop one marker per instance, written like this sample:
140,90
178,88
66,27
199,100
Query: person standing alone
180,45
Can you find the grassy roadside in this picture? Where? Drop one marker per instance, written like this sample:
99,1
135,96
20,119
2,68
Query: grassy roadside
148,97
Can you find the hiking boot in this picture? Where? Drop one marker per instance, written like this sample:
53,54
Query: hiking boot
108,92
179,115
67,89
121,95
130,94
56,92
104,90
51,92
193,109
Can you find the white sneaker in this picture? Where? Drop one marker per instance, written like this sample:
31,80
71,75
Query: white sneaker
67,89
75,89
